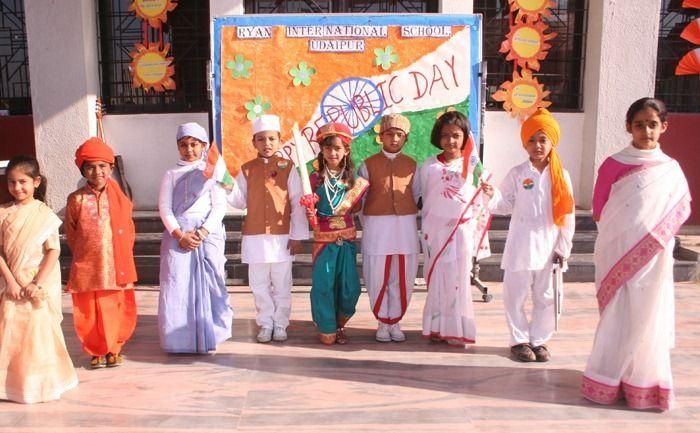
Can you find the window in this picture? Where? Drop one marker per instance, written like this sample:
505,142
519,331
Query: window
15,96
187,32
561,71
681,93
338,6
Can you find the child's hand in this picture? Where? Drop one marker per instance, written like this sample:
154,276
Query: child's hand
31,291
487,188
13,291
559,259
190,241
294,246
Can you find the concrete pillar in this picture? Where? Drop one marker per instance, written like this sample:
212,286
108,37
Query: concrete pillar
456,6
63,69
620,68
226,7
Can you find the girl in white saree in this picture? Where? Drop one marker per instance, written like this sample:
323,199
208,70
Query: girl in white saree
34,362
643,190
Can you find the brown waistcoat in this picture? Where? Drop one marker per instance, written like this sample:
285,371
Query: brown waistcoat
390,185
268,199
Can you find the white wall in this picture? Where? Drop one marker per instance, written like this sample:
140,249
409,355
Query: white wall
147,145
503,149
456,6
620,68
62,47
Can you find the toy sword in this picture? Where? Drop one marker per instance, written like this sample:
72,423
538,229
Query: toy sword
308,199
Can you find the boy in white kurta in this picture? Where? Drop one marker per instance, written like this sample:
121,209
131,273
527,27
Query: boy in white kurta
390,245
270,188
537,194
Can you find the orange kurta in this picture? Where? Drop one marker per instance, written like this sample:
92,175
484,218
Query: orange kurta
104,311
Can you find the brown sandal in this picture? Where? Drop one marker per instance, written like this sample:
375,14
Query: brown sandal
340,337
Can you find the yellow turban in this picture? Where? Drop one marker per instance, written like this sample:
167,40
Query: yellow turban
562,200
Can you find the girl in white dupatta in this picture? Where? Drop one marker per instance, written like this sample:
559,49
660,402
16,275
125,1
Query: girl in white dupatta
644,191
455,224
34,362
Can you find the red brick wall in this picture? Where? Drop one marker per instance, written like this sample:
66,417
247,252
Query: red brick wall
681,141
17,138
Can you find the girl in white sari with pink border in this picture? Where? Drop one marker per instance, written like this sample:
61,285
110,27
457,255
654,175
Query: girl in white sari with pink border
640,200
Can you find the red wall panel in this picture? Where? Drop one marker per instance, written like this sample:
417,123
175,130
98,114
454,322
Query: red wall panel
682,142
16,137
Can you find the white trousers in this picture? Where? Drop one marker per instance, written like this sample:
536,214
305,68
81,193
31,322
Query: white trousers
389,281
271,284
516,286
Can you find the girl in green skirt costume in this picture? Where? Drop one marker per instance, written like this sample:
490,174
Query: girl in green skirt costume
335,283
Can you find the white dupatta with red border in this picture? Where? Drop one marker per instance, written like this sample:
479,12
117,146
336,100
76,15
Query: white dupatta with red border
634,282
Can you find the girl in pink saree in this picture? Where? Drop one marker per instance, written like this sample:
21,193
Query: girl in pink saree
34,362
640,201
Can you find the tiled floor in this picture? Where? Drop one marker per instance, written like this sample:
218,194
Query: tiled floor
366,386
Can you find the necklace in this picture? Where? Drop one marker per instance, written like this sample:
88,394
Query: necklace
332,189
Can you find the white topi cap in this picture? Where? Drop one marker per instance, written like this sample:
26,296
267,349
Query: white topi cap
266,122
194,130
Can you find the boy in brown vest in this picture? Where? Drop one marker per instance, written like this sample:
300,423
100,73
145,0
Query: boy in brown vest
270,188
390,245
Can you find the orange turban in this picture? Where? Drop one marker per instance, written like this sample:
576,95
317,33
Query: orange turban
562,200
329,129
93,149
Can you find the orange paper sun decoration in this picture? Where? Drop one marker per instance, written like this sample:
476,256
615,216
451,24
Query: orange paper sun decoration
532,8
522,96
526,43
154,11
152,68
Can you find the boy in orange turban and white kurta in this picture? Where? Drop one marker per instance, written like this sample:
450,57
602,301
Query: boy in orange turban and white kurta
101,234
537,194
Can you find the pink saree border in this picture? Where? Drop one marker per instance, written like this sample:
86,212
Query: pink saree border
653,397
639,255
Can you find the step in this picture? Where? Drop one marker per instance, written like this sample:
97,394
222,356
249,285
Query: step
149,243
149,221
581,269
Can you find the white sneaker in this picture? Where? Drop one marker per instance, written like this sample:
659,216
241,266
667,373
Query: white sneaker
280,334
396,333
265,335
383,334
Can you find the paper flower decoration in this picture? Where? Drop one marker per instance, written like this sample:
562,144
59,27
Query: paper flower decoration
522,96
691,32
151,68
437,116
385,57
239,66
302,74
257,107
526,43
377,129
154,11
689,64
532,8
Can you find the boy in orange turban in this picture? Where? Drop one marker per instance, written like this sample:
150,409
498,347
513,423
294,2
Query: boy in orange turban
537,194
100,234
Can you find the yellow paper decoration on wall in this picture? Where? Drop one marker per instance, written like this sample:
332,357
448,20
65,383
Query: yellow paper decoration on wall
526,44
523,95
532,8
152,68
154,11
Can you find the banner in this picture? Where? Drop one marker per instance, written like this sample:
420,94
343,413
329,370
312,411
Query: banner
315,69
